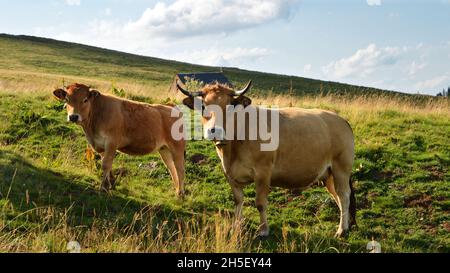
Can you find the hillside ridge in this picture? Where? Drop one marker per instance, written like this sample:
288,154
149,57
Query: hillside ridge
95,56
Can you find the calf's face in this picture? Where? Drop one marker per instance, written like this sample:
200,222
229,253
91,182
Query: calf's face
78,100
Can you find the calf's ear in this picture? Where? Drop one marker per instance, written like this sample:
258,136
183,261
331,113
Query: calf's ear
60,94
242,100
94,93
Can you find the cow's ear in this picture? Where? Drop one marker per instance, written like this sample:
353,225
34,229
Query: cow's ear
94,93
189,102
242,100
60,94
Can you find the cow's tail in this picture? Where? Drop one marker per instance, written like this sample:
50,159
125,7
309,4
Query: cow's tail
352,207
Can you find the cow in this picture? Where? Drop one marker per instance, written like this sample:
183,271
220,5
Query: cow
114,124
314,145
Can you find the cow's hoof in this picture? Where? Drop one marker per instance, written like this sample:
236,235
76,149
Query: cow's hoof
263,234
261,237
112,183
341,233
105,187
181,195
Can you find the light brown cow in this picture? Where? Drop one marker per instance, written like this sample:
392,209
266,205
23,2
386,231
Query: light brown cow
134,128
314,145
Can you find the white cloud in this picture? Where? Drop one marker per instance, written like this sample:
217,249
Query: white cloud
374,2
434,82
414,68
307,68
73,2
201,50
363,63
199,17
187,30
404,68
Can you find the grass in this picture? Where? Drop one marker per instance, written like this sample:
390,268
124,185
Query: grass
48,189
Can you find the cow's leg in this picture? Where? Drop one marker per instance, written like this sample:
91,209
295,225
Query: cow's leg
262,192
168,160
343,191
238,195
107,162
329,183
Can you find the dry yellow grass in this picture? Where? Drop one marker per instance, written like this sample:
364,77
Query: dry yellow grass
43,84
361,103
35,83
201,234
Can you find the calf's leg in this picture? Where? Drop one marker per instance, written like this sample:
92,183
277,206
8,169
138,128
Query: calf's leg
168,160
107,161
179,161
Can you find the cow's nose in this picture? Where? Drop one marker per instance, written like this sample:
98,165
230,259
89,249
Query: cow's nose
73,118
216,133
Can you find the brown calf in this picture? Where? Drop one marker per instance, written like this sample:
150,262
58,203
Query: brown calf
134,128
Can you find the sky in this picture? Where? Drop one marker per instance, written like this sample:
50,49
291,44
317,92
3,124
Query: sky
401,45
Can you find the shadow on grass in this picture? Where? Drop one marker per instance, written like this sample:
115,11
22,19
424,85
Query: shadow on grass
27,186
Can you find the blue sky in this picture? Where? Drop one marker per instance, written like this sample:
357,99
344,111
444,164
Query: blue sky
398,45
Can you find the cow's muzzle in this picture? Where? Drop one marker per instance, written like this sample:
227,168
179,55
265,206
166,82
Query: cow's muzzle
74,118
215,133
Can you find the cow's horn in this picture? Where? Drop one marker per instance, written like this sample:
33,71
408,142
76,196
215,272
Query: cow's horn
189,94
243,91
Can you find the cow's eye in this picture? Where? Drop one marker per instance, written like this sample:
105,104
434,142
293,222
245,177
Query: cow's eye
85,100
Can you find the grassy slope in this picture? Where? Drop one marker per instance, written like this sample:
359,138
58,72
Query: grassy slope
48,190
54,60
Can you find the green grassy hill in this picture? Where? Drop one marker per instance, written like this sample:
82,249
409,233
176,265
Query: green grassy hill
53,58
49,189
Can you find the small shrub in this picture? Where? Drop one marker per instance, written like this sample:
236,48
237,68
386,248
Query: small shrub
118,92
